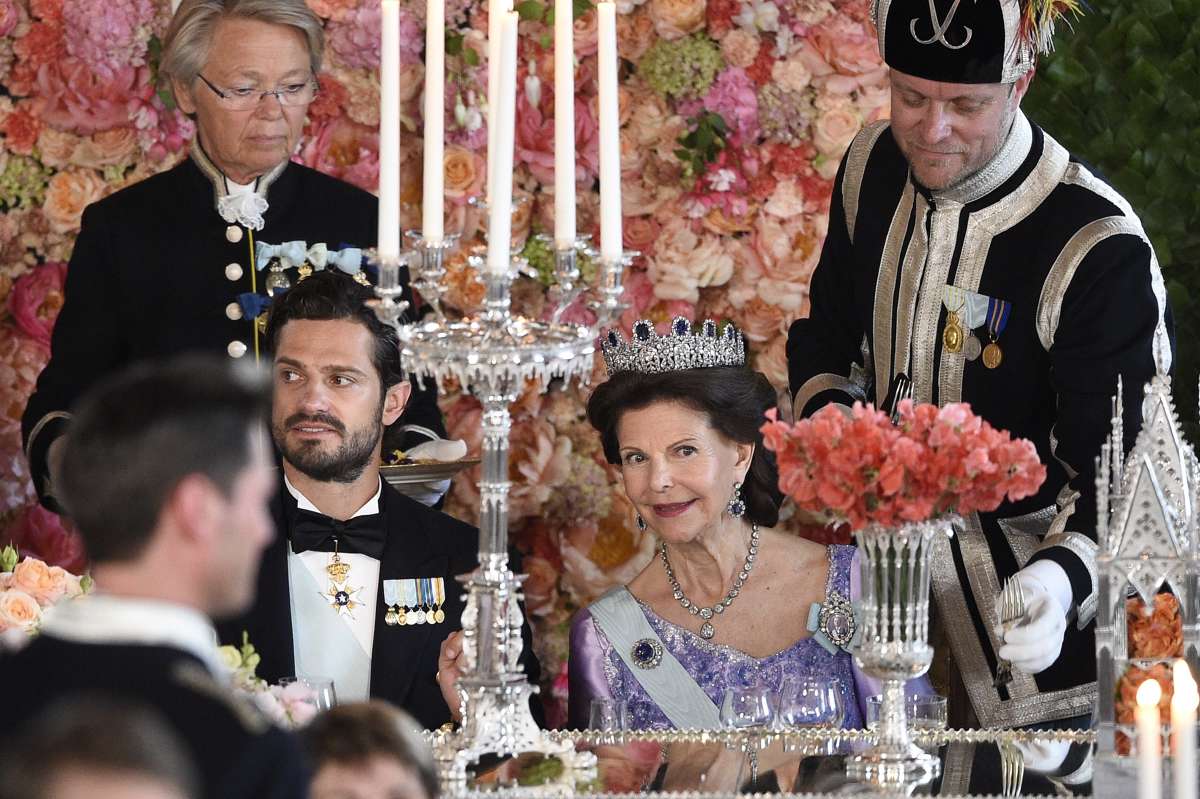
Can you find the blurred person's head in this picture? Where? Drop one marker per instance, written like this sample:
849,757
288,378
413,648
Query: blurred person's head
369,750
167,473
96,748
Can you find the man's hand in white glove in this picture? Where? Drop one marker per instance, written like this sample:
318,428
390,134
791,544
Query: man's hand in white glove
1034,642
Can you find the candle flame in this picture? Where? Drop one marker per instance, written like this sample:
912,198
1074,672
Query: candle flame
1149,693
1186,695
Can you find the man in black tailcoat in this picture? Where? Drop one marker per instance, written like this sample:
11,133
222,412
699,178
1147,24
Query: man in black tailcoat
972,254
361,584
167,474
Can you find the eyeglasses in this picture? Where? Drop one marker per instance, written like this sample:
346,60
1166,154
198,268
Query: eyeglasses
291,95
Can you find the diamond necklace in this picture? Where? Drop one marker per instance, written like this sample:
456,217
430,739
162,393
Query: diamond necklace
706,629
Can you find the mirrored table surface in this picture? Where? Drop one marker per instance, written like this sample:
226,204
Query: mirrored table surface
801,762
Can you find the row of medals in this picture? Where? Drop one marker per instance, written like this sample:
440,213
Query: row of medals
956,341
398,614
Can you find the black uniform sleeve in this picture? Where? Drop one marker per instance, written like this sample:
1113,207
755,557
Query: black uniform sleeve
86,343
1106,328
821,348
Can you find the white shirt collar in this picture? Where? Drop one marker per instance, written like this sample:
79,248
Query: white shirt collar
239,188
108,619
371,506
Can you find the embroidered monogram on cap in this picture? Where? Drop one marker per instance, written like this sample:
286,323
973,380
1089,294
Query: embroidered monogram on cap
940,27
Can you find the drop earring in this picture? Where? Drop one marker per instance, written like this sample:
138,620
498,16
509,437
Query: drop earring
641,523
736,507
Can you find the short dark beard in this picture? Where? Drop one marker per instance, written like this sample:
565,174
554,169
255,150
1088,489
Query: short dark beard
345,464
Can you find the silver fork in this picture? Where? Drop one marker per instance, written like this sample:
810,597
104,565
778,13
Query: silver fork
1012,607
904,390
1012,769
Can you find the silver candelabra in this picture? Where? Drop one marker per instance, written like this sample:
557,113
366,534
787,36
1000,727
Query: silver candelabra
493,355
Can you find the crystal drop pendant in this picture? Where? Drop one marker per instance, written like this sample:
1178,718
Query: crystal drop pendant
707,631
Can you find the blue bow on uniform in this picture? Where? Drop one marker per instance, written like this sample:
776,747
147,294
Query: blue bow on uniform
348,260
253,305
290,253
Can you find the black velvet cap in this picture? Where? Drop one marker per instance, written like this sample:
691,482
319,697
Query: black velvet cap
953,41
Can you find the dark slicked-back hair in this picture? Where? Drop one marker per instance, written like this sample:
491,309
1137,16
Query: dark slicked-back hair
734,399
351,734
137,434
329,295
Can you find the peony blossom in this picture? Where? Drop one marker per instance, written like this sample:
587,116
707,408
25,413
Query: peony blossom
36,299
38,533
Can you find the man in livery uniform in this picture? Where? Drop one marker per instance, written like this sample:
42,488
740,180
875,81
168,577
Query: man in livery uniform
186,259
360,584
971,258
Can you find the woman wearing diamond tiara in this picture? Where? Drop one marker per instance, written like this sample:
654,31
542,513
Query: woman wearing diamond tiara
726,596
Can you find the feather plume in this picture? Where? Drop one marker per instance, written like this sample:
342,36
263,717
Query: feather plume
1039,17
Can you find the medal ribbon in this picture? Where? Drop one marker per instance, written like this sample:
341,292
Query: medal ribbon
997,317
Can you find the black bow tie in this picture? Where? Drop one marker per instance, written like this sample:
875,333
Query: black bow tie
317,532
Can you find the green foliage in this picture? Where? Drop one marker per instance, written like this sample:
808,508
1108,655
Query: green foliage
703,142
1122,93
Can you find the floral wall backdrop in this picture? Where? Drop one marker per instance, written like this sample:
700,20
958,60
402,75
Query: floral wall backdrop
735,114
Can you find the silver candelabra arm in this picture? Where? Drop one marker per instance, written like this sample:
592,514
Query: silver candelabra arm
431,268
388,306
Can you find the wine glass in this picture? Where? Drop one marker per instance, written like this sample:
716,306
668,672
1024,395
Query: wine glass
321,693
608,714
747,706
811,702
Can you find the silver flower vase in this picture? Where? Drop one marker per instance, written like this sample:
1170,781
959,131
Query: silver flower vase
895,648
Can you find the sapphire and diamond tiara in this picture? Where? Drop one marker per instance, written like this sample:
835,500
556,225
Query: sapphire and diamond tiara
684,348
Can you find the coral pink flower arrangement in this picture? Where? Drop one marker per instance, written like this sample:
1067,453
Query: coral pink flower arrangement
28,586
861,469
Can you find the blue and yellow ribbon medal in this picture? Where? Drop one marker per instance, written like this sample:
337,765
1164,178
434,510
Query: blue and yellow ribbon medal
997,319
409,592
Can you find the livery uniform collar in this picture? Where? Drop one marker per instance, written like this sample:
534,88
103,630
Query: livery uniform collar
108,619
1002,167
238,205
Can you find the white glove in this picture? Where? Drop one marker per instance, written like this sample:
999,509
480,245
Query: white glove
426,493
441,449
1034,642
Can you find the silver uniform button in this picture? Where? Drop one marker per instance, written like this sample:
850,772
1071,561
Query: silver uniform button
233,233
236,349
234,271
233,311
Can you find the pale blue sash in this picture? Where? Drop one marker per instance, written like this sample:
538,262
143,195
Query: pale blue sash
324,644
668,684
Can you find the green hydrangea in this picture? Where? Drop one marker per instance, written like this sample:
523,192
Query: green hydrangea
539,253
22,182
683,68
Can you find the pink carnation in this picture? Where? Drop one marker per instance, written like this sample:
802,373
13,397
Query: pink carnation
36,299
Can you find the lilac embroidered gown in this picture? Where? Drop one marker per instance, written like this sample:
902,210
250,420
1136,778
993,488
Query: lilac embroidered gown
595,669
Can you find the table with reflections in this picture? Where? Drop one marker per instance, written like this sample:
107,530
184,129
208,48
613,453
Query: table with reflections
809,761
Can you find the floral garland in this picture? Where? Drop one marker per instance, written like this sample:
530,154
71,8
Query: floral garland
735,114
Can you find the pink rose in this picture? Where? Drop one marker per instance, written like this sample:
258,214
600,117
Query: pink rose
849,46
345,150
534,140
740,48
57,147
35,578
10,15
19,610
586,30
464,173
38,533
674,19
106,148
540,459
635,34
834,130
761,321
791,74
69,193
36,299
640,233
685,261
72,96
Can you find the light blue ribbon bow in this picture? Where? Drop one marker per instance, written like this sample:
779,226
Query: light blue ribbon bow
348,260
290,253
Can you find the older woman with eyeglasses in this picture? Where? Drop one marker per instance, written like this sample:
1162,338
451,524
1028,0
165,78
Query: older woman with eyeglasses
185,260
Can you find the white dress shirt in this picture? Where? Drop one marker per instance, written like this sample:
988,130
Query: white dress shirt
327,643
107,619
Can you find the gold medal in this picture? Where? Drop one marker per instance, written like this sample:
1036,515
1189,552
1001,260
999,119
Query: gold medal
952,335
439,616
438,586
402,617
337,570
391,618
303,271
992,356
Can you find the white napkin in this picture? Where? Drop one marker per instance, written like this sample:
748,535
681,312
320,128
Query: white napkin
440,450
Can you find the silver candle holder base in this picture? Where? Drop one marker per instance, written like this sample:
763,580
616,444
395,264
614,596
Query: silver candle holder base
431,267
